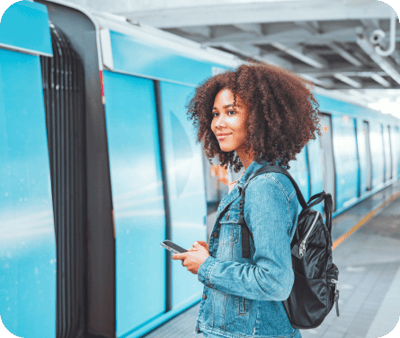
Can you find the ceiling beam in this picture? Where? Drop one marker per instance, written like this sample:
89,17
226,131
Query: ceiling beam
348,70
266,11
311,26
385,64
256,54
380,80
199,30
345,54
396,56
365,86
326,83
288,35
250,27
297,52
275,60
372,23
347,80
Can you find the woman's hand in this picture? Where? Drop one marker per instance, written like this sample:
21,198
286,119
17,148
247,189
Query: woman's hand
202,243
194,257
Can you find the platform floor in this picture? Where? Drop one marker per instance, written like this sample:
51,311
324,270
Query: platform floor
369,276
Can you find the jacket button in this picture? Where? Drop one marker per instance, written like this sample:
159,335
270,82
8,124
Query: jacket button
204,296
227,215
215,234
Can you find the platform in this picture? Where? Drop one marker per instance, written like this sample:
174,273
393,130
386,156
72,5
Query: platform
369,277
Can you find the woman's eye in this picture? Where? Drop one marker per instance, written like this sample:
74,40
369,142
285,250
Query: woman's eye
230,111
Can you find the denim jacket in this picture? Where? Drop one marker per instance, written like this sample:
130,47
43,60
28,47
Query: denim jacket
242,297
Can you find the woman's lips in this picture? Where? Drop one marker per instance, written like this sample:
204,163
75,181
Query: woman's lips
221,137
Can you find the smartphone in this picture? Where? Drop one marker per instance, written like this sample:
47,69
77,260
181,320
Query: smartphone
176,249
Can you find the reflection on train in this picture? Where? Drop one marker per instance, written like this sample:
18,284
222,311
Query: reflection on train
99,164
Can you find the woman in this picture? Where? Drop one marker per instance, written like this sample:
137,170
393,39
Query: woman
266,115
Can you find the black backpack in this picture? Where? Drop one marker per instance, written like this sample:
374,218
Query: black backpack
315,285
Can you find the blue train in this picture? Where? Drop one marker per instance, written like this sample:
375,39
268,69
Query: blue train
99,164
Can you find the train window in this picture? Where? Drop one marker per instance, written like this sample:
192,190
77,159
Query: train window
377,154
346,159
329,173
367,149
388,149
385,157
315,165
397,144
299,171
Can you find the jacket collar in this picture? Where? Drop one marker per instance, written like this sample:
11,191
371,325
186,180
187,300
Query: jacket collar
234,193
252,168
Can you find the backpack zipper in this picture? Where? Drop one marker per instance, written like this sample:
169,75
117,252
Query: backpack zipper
302,247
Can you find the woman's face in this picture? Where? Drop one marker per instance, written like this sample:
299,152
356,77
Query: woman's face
229,120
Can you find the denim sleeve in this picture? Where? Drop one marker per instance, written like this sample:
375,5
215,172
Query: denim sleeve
266,213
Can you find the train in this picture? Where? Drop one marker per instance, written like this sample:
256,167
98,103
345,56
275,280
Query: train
99,164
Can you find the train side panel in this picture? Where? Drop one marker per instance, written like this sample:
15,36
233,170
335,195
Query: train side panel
27,243
137,56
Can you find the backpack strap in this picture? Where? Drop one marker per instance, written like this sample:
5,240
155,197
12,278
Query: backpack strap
277,169
328,211
327,198
245,230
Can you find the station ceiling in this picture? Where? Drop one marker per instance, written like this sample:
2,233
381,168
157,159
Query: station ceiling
339,45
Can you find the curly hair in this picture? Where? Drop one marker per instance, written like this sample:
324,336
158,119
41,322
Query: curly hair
283,113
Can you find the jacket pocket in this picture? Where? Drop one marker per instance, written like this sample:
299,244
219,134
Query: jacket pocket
230,230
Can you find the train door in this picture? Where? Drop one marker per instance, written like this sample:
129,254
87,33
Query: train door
315,165
377,155
215,188
368,167
362,157
185,180
138,199
397,138
385,158
300,172
329,172
212,190
389,154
